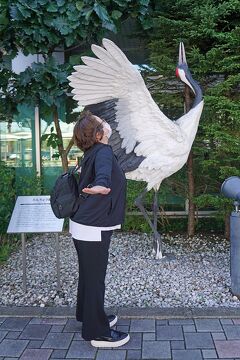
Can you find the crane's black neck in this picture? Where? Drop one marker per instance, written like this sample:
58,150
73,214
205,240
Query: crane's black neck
197,90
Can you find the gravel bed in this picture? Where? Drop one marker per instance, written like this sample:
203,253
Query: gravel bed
198,277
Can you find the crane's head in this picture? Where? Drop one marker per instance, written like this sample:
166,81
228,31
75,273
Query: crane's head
182,70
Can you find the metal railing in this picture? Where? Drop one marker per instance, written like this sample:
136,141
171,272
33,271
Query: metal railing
178,213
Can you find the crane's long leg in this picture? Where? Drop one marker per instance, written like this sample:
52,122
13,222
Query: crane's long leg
157,240
157,243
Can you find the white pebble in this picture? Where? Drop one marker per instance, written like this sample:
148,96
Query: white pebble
198,277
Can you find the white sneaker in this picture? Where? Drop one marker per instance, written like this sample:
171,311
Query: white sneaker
117,338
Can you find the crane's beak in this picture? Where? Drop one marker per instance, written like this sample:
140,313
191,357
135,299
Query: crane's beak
182,56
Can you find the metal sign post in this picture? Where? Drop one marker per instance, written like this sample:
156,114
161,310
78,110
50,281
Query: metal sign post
33,214
24,261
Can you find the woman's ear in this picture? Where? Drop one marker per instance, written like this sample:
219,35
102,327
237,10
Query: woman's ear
98,136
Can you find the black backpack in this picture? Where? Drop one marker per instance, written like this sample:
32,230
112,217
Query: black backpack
65,198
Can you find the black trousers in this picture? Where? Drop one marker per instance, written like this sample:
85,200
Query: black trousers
93,261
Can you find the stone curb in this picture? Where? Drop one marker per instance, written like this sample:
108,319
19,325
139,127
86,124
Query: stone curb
124,312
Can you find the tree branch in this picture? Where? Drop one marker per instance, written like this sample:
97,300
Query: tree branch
58,130
70,144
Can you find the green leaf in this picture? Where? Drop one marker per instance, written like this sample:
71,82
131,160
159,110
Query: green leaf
144,2
47,99
87,13
62,25
147,23
24,11
61,2
69,40
74,59
116,14
110,26
79,5
121,3
43,2
52,7
101,12
53,145
3,19
44,137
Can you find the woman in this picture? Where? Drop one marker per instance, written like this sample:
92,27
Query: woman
102,210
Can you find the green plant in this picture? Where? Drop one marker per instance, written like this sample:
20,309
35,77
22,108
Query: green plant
7,197
136,223
29,185
7,246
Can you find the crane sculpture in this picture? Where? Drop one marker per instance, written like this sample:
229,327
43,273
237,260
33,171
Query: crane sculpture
149,146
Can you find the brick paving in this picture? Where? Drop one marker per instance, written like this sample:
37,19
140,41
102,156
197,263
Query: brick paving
44,338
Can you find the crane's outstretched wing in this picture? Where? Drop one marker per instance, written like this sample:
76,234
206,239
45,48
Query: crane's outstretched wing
107,110
142,127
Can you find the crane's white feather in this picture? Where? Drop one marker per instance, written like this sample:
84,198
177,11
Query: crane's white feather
143,128
139,119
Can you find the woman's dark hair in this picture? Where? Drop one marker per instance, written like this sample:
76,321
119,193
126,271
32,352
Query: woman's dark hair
85,130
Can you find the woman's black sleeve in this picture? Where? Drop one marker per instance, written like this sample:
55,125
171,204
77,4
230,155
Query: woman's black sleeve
103,167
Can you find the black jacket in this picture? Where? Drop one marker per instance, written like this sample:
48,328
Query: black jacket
100,167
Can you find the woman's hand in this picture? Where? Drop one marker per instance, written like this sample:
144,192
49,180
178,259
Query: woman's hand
98,189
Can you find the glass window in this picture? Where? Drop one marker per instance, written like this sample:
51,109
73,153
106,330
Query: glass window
16,143
50,159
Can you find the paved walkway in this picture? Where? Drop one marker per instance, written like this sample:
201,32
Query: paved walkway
178,336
